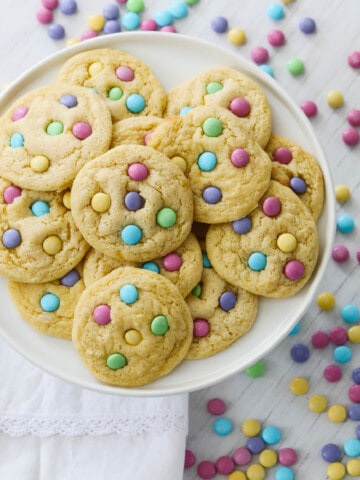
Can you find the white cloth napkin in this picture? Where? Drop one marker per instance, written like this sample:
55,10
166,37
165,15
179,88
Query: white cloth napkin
52,429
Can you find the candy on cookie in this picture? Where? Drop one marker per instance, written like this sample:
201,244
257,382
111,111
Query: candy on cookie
49,307
132,203
131,327
49,133
134,130
227,88
126,84
272,251
228,171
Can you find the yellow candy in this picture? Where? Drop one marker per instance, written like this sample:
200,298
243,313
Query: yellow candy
354,334
335,98
255,472
101,202
237,475
342,193
95,68
286,242
336,471
325,301
52,245
67,200
133,337
288,1
40,163
268,458
237,36
353,467
180,162
72,41
299,386
96,22
317,403
251,427
337,413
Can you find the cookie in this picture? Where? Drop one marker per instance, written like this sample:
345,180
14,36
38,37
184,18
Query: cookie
131,327
132,203
39,239
221,314
134,131
228,171
230,89
297,169
182,267
127,85
49,133
49,307
270,252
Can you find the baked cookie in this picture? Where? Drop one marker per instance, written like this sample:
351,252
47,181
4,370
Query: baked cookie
221,314
131,327
270,252
228,171
39,239
132,203
135,131
127,85
295,168
227,88
49,306
49,133
182,267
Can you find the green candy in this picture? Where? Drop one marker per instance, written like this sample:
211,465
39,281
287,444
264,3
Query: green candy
295,66
55,128
213,87
196,291
256,370
136,6
116,361
159,325
212,127
166,217
115,93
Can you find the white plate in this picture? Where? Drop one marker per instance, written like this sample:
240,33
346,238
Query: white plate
175,58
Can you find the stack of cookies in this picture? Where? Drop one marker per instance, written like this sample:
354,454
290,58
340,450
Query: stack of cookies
145,225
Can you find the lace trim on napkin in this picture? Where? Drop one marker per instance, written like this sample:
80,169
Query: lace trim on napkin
45,426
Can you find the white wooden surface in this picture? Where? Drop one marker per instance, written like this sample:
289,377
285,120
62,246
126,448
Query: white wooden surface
25,42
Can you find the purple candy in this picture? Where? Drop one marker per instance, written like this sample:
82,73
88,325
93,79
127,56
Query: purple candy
68,101
307,25
212,195
357,431
354,411
133,201
298,185
255,445
68,7
240,157
70,278
331,453
111,12
219,24
299,352
356,375
56,31
227,301
242,226
111,26
11,238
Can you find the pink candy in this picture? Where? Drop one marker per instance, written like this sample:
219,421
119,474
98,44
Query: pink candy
206,469
189,459
19,113
101,314
287,456
242,456
240,107
340,253
354,59
81,130
216,406
353,117
338,336
240,157
88,34
201,327
271,206
125,74
320,339
50,4
351,136
172,262
225,465
309,108
137,171
294,270
259,55
44,16
332,373
282,155
148,24
276,38
10,193
354,393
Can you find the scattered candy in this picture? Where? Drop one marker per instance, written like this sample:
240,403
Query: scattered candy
136,6
336,471
307,25
271,435
287,457
242,456
332,373
354,393
222,426
340,253
353,117
331,452
342,193
219,24
256,370
350,313
237,36
255,444
295,66
354,334
300,353
335,99
224,465
44,15
255,472
337,413
320,339
338,335
216,406
68,7
342,354
309,108
351,136
275,11
353,468
345,223
206,469
251,427
276,38
268,458
189,458
352,447
50,4
259,55
317,403
284,473
56,31
354,59
299,386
